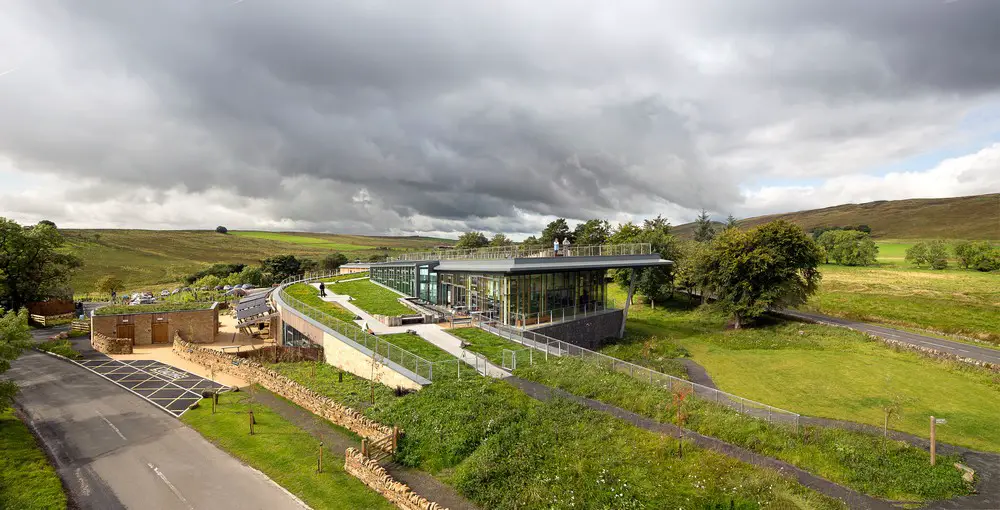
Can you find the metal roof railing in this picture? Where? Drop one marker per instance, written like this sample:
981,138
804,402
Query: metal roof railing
518,251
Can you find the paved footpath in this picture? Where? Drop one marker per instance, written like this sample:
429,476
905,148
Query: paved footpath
964,350
114,450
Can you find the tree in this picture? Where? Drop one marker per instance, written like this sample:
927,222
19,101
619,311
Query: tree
964,253
221,230
15,337
937,254
499,239
530,243
592,232
691,269
333,261
281,267
556,230
48,222
771,266
254,276
208,281
652,282
980,255
848,247
110,284
220,270
731,222
472,240
917,254
32,267
703,230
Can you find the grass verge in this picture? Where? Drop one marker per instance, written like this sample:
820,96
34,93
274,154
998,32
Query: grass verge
867,463
27,480
371,298
282,451
349,276
61,347
156,307
415,345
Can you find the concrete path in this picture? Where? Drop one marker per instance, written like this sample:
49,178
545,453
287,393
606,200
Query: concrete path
114,450
430,332
964,350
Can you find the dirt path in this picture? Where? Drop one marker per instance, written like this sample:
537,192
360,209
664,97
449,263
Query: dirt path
340,440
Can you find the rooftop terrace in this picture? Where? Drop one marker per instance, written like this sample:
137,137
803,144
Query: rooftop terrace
517,251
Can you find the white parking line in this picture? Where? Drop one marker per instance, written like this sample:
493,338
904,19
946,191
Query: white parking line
112,425
170,485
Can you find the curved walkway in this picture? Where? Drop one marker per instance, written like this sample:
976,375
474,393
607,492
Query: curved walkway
986,464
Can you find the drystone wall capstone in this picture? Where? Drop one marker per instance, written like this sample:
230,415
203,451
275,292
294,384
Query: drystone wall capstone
376,477
255,372
108,345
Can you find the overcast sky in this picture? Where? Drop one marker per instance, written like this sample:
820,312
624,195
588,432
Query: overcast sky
440,116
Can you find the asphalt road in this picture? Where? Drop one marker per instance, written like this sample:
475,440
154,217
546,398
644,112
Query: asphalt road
957,348
114,450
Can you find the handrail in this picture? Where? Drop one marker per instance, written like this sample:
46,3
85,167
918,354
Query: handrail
556,347
518,251
384,349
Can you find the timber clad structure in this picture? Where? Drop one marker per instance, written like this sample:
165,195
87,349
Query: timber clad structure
513,285
199,326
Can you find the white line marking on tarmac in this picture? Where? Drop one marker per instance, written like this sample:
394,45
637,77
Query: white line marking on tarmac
169,485
112,425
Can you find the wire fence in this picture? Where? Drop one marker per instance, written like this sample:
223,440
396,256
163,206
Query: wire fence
546,346
382,349
517,251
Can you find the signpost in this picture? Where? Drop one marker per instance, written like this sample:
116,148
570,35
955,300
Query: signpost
934,423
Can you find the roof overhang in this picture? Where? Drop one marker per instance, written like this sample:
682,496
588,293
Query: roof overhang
551,264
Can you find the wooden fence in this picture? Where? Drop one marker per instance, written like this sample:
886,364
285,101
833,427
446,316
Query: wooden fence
82,326
45,320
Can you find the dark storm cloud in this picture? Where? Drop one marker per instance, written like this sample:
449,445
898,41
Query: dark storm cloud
446,115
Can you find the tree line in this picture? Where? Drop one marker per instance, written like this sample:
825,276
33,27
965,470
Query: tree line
977,255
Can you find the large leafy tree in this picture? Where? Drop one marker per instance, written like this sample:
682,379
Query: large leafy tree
592,232
109,284
32,266
333,261
499,239
470,240
557,230
652,282
848,247
281,267
14,338
771,266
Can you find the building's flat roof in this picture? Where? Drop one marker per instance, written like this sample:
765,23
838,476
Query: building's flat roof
357,264
551,264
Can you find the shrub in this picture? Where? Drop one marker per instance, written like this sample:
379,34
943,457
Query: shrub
221,230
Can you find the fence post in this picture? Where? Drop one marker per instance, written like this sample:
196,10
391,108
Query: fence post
319,464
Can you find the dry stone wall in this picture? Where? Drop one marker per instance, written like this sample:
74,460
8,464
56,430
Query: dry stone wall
254,372
108,345
376,477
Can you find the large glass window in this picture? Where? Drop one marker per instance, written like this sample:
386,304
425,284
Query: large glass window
293,338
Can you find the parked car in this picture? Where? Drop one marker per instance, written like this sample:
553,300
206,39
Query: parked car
247,286
164,292
218,287
186,289
227,287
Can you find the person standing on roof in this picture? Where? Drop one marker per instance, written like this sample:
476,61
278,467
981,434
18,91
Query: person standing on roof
322,289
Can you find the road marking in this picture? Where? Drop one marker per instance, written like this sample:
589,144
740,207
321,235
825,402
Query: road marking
112,425
170,485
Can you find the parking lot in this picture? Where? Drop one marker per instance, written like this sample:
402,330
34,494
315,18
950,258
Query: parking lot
167,387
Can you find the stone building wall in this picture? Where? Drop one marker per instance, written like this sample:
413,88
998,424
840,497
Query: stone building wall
588,332
108,345
254,372
376,477
199,326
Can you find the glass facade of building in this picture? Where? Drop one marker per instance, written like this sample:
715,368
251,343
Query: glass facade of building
522,299
291,337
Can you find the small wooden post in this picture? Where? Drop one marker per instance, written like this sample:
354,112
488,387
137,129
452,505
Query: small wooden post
933,441
364,448
319,464
395,438
340,376
215,401
251,422
312,371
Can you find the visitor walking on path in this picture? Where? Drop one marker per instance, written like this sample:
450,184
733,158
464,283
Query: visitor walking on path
322,289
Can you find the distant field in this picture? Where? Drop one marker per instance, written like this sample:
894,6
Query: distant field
975,217
147,259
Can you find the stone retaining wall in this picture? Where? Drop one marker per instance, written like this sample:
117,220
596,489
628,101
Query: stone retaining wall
108,345
376,477
254,372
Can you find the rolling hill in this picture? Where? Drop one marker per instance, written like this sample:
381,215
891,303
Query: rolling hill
975,217
144,259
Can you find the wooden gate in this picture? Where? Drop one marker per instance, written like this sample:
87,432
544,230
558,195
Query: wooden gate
160,332
126,330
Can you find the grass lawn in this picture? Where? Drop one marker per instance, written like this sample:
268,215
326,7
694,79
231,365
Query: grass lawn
416,345
867,463
310,296
487,344
27,480
156,307
951,301
61,347
349,276
324,378
503,450
822,371
283,452
371,298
